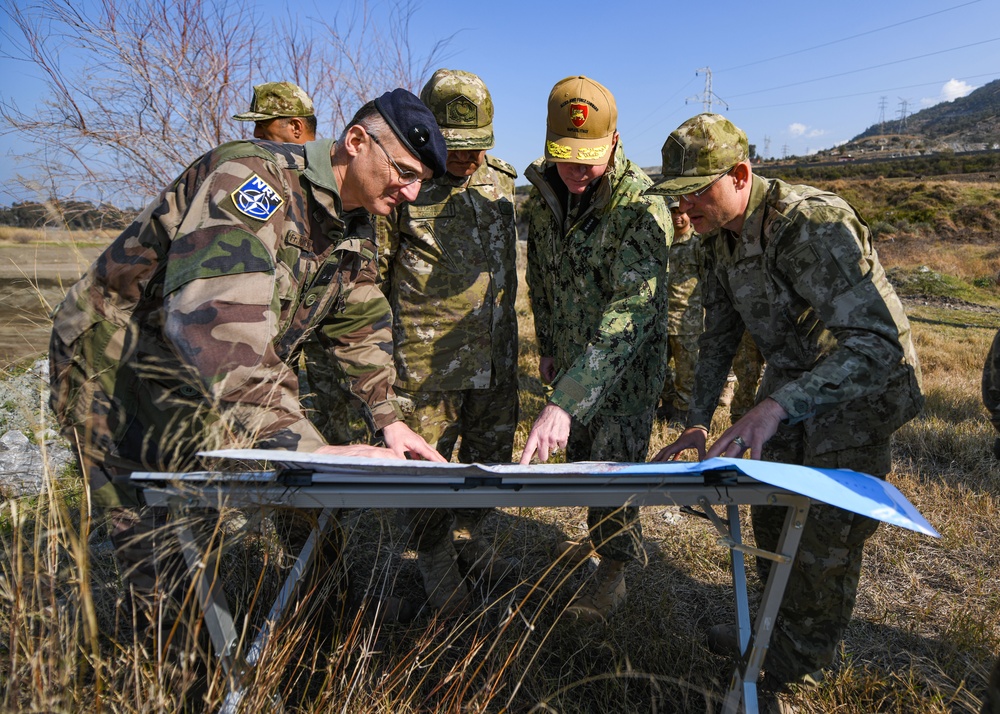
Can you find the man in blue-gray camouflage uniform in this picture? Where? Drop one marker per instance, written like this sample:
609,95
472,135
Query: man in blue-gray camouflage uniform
597,272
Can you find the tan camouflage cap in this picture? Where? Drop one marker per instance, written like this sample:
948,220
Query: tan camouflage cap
277,99
462,107
698,151
581,123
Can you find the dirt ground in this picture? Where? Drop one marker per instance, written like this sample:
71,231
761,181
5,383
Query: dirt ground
33,279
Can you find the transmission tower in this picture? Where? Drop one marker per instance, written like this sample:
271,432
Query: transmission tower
882,103
903,105
767,145
706,97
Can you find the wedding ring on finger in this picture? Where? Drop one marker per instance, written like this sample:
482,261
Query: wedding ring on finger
740,442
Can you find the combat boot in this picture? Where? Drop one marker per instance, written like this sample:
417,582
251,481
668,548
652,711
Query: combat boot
605,593
446,589
478,559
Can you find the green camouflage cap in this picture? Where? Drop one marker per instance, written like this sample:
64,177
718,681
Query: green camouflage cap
698,151
277,99
462,107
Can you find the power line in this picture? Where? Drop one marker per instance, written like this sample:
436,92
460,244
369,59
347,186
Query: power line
862,94
845,39
865,69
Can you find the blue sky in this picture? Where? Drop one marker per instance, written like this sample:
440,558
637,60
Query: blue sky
798,79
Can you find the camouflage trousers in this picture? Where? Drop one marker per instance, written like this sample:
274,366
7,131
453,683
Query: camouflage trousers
991,704
485,420
822,588
748,366
616,533
682,355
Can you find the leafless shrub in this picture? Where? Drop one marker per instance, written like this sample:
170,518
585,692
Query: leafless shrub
136,90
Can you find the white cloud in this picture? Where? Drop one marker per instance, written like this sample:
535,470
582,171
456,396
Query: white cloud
952,89
800,129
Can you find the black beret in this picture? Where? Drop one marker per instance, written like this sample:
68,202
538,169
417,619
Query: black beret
415,127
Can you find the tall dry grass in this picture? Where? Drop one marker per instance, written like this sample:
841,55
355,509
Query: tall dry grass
925,631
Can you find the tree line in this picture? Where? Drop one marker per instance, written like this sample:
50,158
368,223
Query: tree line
73,215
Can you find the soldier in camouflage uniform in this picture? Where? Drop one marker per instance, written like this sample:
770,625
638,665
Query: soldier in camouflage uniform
451,279
991,399
281,111
184,334
991,388
795,267
597,270
685,316
748,366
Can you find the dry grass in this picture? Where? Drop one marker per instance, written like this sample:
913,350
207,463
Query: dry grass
925,631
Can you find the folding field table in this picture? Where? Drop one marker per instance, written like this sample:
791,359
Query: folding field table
329,483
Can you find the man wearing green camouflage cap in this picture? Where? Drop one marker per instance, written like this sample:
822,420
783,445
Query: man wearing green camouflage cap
685,316
597,273
451,279
281,111
796,268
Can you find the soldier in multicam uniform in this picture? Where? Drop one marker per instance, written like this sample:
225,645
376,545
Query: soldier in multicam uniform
597,271
281,111
451,279
795,267
184,334
991,399
685,316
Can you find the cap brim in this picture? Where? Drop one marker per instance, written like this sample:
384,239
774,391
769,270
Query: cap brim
469,139
680,185
560,149
257,116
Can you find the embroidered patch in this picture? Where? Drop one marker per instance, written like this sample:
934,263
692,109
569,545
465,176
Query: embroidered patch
593,152
558,151
578,114
255,198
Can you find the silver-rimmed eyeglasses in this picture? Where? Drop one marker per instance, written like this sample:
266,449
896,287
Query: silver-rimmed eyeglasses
405,177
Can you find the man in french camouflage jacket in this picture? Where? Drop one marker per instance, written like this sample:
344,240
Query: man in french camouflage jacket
685,316
451,279
597,271
794,266
184,334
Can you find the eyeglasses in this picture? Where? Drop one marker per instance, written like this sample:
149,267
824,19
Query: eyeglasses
405,177
701,191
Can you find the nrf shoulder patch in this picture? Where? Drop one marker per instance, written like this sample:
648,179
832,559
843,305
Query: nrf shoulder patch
256,198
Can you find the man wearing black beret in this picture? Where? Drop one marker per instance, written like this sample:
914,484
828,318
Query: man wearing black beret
185,333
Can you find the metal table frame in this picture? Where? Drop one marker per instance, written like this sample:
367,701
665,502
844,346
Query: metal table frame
311,488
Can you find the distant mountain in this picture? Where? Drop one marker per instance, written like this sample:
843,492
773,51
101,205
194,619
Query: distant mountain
970,123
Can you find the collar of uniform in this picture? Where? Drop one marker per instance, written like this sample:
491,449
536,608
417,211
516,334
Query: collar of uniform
753,217
319,169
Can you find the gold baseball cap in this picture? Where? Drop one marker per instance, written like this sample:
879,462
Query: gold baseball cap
581,122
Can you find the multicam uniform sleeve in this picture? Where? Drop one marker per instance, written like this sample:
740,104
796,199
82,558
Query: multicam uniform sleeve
539,244
827,257
631,314
222,308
